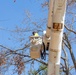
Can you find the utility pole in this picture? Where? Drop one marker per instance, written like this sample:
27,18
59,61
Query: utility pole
57,10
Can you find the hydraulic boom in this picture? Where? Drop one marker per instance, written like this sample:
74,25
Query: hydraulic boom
57,9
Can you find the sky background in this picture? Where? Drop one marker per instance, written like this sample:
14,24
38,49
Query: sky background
13,16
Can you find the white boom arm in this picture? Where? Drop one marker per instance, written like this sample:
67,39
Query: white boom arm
50,17
57,9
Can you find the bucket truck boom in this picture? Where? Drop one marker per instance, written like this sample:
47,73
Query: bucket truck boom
57,25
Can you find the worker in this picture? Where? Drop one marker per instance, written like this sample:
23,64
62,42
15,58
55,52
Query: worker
35,34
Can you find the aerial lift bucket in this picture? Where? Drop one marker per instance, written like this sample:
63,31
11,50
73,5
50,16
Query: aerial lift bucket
36,43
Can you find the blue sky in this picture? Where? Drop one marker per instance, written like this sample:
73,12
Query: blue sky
12,14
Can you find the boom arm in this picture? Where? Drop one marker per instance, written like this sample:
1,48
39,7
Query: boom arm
50,17
56,22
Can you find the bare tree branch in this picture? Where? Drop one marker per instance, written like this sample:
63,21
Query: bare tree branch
70,29
68,45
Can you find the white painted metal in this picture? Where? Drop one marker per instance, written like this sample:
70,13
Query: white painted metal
50,16
55,46
53,68
36,43
57,27
46,36
35,51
